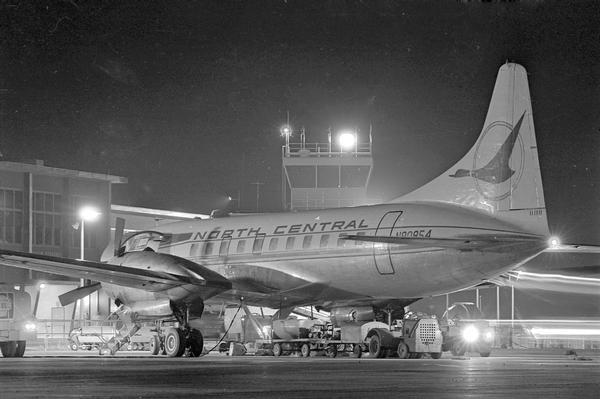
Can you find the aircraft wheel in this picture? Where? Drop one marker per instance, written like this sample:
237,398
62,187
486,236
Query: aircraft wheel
196,343
154,345
305,350
458,350
484,354
277,349
8,348
375,348
331,351
174,342
403,351
357,351
436,355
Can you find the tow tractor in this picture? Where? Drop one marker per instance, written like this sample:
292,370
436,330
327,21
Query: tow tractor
411,337
465,330
16,321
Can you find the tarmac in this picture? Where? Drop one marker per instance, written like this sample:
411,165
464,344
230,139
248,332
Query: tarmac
506,374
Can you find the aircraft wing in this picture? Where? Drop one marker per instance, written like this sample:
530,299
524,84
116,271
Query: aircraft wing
148,280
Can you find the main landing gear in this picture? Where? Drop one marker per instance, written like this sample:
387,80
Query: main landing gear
173,341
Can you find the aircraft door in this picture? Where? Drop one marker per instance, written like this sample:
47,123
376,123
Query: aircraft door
381,251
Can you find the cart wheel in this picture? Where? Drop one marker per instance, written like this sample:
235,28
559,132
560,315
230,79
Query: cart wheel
73,346
331,351
403,351
277,349
305,350
458,350
436,355
357,351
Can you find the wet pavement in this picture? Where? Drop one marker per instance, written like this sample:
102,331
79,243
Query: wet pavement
138,375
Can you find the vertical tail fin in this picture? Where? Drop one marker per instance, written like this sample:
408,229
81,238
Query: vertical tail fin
500,174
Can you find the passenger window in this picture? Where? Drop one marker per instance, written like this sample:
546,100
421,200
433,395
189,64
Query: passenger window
306,242
273,244
241,246
341,242
289,244
224,248
324,240
208,248
195,249
258,244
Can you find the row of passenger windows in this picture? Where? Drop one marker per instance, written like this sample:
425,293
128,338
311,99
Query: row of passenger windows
208,248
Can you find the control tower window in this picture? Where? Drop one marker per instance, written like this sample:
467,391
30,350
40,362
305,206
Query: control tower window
301,176
328,176
354,176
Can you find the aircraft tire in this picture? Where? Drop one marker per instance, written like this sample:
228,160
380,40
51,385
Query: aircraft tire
195,343
436,355
154,345
174,342
484,354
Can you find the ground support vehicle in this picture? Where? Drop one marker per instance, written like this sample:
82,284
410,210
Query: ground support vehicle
17,324
96,337
408,338
464,330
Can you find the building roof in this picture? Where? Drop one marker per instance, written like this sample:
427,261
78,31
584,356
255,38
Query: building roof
37,167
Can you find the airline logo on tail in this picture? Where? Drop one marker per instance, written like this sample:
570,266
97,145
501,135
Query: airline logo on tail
492,169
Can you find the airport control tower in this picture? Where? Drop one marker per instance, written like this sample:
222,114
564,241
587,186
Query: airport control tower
325,175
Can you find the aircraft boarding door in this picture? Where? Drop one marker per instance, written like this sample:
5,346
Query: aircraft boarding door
381,251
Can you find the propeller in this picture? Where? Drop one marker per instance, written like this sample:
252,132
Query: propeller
119,229
78,293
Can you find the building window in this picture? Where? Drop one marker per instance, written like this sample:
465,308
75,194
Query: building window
47,219
11,216
324,240
289,244
306,242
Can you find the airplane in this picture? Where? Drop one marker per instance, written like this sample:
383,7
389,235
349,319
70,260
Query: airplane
483,217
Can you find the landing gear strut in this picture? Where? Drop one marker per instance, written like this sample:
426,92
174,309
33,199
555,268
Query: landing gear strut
184,340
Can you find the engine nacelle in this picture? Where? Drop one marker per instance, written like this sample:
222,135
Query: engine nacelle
160,308
349,314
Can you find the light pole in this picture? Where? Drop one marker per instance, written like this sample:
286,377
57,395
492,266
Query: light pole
89,214
86,214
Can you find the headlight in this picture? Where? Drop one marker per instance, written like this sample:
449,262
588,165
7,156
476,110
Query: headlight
489,335
30,326
470,334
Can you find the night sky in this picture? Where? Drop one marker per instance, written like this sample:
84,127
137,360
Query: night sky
186,98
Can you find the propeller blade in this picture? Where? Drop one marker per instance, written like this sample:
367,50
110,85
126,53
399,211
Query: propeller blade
119,229
78,293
